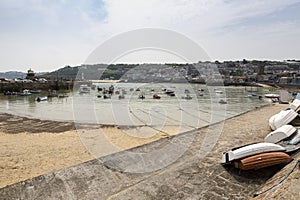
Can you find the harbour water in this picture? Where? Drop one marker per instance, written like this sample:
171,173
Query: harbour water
204,108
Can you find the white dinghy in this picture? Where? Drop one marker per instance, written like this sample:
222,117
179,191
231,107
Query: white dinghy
295,105
282,118
280,134
250,150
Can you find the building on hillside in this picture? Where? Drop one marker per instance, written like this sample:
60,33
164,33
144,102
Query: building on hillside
30,75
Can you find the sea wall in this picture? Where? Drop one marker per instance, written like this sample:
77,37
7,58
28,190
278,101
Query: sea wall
51,85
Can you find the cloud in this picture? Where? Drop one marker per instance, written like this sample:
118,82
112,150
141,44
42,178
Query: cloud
57,32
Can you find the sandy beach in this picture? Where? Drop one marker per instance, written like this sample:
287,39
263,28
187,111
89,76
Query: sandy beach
32,147
27,155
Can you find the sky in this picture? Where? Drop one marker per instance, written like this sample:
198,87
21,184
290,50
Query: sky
48,34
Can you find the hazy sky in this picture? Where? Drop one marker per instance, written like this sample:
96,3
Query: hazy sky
48,34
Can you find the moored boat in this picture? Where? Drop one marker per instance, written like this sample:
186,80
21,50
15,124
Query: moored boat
156,96
262,160
25,93
272,96
35,91
42,98
222,101
84,89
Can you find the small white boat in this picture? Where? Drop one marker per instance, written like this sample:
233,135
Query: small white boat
249,150
42,98
295,105
280,134
84,89
282,118
169,91
272,96
218,91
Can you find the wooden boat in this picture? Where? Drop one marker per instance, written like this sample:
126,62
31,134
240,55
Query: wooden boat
249,150
282,118
280,134
262,160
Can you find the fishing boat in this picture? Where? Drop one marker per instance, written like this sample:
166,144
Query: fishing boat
280,134
25,93
282,118
262,160
250,150
42,98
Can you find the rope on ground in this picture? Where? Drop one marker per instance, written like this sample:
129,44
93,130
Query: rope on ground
285,177
145,124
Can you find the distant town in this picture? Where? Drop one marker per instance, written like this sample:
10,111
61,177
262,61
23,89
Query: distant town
244,72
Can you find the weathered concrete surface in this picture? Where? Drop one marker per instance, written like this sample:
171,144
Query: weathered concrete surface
283,185
189,177
14,124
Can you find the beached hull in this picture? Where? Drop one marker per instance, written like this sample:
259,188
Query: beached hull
262,160
280,134
250,150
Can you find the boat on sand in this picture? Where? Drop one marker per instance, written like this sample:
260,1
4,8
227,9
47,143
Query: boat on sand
280,134
282,118
262,160
250,150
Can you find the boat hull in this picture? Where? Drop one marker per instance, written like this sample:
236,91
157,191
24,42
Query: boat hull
262,160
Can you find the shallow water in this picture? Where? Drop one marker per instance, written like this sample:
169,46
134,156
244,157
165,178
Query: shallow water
87,108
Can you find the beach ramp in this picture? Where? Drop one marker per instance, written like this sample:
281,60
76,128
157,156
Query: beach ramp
187,177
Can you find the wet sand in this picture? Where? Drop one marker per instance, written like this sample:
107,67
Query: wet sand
188,177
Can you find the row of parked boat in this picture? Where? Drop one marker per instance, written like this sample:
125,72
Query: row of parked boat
277,146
